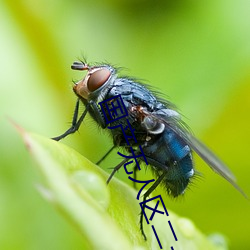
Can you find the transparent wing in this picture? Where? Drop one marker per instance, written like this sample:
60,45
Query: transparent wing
212,160
175,124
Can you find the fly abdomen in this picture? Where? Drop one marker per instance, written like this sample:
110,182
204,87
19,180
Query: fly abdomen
172,156
180,166
178,149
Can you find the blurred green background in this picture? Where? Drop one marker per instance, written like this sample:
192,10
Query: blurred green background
195,52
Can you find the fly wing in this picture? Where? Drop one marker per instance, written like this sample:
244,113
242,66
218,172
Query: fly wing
175,124
208,156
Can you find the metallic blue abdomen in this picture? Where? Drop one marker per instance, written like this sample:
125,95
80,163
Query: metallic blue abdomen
169,154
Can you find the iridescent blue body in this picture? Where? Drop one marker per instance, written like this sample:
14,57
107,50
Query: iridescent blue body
164,139
165,151
158,128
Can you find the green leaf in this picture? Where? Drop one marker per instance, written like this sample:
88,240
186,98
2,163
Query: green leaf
106,215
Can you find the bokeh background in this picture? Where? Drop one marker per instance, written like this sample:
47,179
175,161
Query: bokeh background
196,52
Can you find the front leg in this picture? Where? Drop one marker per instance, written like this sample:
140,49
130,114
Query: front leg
75,124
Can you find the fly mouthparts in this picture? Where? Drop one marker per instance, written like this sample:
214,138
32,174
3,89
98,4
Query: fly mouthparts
79,66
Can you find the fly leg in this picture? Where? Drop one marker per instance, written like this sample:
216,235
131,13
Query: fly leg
105,155
116,169
135,170
148,192
75,124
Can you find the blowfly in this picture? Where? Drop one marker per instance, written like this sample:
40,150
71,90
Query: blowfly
162,135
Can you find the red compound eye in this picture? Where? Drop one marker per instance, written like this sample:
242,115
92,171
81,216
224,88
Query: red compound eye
97,79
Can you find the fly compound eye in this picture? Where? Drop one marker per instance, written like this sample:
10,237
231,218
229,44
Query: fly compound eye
97,79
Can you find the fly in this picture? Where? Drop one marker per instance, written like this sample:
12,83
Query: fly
163,136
